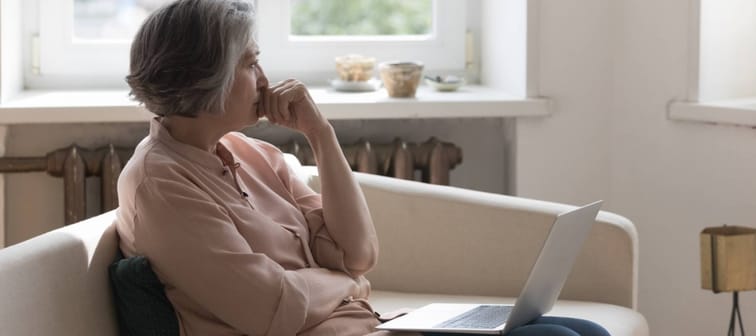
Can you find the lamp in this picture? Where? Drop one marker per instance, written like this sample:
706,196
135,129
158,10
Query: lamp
728,264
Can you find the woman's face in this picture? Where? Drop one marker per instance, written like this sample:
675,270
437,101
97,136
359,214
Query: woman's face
246,91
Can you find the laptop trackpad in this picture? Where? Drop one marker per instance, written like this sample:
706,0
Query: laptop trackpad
481,317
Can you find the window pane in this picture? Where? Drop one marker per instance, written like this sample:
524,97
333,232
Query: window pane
361,17
111,19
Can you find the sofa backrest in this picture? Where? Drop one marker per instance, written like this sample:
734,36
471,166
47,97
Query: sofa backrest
57,283
441,239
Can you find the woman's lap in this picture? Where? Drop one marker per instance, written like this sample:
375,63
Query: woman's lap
582,327
543,330
552,326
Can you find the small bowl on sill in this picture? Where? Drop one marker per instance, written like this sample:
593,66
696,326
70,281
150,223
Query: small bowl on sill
445,83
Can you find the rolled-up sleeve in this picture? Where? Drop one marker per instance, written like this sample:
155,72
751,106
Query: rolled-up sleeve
324,249
196,248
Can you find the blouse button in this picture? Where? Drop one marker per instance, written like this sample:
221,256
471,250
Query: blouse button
297,235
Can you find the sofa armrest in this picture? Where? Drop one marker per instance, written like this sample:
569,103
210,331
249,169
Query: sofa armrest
440,239
57,283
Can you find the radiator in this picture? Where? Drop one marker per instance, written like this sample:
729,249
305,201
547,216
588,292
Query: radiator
432,159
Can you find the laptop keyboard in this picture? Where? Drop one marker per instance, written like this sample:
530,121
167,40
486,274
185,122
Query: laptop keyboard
481,317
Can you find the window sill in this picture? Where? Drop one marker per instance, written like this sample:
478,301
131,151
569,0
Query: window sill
32,107
740,112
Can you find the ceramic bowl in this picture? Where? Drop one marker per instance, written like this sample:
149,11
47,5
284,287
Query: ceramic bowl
446,84
401,78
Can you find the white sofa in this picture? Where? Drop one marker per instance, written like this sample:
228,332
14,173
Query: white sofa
438,244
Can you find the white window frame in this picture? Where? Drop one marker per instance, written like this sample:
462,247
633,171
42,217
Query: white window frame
699,106
67,62
62,56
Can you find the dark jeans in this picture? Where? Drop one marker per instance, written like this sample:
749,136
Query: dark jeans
551,326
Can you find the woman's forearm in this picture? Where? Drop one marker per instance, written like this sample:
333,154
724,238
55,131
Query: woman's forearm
345,210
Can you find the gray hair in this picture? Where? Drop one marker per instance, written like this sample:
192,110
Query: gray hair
184,56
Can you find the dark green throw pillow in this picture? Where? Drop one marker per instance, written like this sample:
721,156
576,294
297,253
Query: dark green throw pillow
143,309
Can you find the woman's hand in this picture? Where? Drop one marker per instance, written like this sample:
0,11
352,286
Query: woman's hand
289,104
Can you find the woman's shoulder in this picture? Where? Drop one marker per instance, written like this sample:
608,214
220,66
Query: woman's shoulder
241,144
239,137
149,160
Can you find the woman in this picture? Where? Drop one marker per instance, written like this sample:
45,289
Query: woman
242,246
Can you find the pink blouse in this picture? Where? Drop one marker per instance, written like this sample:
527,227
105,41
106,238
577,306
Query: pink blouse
239,242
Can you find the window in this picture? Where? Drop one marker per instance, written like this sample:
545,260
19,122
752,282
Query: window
110,20
80,44
430,31
726,50
721,69
361,17
85,43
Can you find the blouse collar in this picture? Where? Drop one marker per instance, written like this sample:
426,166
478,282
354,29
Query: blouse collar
194,154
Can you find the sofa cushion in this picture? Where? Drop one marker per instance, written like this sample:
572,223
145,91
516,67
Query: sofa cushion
143,308
619,321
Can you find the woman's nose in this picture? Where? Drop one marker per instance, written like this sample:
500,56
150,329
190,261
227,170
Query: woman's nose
262,80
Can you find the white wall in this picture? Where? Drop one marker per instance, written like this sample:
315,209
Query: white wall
612,67
504,44
566,157
674,178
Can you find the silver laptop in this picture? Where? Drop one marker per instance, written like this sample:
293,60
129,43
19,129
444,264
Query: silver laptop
546,279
